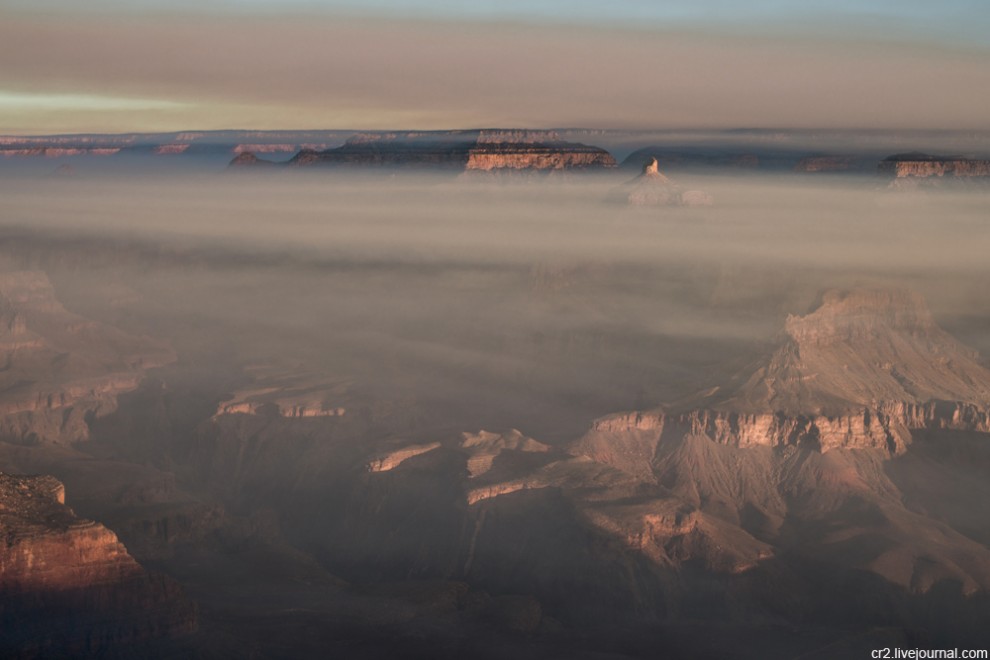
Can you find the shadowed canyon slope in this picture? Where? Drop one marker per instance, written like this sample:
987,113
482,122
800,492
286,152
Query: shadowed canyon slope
58,367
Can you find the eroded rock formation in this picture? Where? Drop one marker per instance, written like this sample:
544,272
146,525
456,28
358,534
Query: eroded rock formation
287,393
864,370
806,437
923,165
653,188
60,367
68,586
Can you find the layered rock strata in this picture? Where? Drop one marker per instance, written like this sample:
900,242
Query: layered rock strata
68,586
924,165
468,151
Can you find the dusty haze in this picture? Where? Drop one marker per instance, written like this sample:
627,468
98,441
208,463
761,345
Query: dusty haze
172,71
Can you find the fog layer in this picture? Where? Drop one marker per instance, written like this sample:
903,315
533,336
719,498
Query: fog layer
538,306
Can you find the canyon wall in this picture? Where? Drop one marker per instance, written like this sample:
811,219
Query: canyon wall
68,586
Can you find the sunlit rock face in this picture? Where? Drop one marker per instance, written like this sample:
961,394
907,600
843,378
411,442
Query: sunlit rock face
864,370
924,165
808,438
68,586
59,367
653,188
465,151
533,150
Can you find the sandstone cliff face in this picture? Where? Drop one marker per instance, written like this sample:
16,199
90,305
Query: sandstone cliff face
924,165
622,441
68,586
498,152
60,367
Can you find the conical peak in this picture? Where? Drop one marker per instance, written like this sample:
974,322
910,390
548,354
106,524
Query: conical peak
651,167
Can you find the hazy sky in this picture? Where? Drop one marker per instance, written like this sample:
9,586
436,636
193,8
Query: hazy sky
156,65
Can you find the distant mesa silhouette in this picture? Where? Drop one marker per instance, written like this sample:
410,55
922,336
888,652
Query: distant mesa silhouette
248,159
487,151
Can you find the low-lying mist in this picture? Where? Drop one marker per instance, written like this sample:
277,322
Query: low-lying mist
536,305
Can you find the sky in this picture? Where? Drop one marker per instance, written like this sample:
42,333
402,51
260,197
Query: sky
149,65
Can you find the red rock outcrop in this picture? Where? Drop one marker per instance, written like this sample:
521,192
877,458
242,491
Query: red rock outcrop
68,586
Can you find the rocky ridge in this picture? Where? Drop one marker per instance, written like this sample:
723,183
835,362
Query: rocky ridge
923,165
68,586
864,370
807,436
60,367
740,493
280,392
466,151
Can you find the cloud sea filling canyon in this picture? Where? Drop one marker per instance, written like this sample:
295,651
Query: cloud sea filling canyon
494,393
